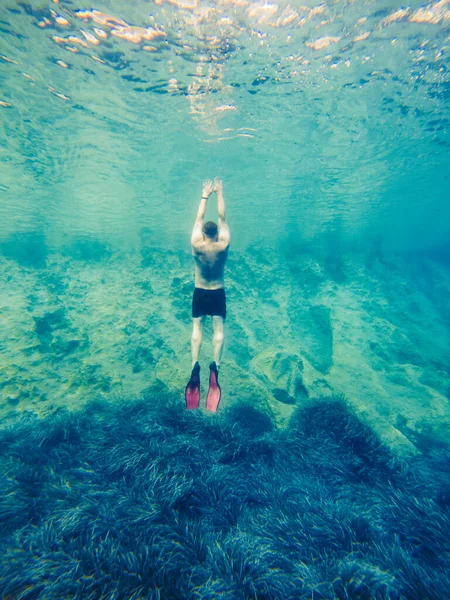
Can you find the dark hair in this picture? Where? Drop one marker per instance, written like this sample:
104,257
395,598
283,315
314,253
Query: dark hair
210,229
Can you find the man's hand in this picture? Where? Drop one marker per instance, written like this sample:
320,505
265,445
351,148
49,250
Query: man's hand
218,185
208,189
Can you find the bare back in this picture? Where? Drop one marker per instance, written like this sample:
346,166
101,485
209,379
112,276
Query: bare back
210,258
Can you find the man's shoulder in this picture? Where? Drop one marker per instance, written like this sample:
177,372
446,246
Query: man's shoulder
222,246
198,246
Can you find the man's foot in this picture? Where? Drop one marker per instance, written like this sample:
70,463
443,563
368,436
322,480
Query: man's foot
192,391
214,391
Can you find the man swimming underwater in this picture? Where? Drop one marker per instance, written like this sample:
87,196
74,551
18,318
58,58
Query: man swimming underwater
210,245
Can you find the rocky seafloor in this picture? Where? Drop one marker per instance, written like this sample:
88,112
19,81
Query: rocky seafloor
324,475
85,323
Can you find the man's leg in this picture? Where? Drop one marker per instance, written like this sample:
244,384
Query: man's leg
192,392
196,339
214,391
218,338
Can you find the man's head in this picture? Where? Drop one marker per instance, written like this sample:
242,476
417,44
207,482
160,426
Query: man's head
210,230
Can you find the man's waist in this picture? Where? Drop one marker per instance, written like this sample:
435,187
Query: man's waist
210,289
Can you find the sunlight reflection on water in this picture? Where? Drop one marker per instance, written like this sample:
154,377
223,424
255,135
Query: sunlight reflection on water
330,116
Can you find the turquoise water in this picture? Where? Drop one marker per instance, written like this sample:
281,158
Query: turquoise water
350,139
323,475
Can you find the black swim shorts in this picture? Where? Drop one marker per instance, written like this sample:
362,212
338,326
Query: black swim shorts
209,302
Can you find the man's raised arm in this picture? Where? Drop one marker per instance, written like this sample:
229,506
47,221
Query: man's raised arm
197,232
224,230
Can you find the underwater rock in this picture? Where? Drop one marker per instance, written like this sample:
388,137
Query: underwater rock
46,325
55,335
282,373
181,292
91,376
90,250
439,381
54,282
320,387
140,358
312,325
397,350
62,346
28,249
13,399
240,384
307,274
238,345
145,285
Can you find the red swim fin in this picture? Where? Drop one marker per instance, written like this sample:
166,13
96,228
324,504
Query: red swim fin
192,391
214,392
